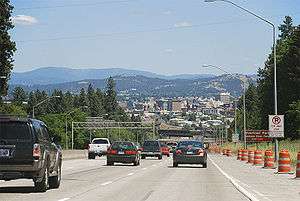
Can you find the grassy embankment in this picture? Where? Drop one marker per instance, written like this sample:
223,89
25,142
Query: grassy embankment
292,146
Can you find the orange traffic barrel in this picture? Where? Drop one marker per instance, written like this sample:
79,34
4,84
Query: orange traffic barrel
269,160
228,153
224,151
244,156
258,158
284,163
251,156
239,156
298,166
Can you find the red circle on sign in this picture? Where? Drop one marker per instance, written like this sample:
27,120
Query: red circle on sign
276,120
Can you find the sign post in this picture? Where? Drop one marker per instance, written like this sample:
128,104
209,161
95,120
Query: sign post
276,129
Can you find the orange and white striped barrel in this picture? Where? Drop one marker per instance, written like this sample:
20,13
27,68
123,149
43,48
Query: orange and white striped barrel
269,159
244,156
284,163
258,158
239,156
228,153
298,166
250,156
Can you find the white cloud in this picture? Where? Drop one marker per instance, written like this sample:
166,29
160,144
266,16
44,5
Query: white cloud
169,50
182,24
167,12
24,20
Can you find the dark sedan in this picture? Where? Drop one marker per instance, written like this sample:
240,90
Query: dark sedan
190,152
123,152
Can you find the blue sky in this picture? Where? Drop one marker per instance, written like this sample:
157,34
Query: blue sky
162,36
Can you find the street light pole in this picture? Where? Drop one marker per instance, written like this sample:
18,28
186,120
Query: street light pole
275,59
244,98
42,103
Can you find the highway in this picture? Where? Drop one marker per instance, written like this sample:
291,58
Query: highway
153,180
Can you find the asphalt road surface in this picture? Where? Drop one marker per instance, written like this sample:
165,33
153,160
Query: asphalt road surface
153,180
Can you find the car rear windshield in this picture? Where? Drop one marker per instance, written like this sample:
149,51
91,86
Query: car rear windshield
100,141
151,143
15,130
190,143
123,145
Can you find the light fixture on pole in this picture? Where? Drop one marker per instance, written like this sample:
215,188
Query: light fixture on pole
42,103
244,97
274,59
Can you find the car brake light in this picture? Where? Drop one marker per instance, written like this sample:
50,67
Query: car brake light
178,152
112,151
130,152
200,152
36,152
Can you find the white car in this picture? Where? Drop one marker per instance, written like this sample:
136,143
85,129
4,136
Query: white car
98,147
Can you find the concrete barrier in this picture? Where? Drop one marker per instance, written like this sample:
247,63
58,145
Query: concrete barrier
74,154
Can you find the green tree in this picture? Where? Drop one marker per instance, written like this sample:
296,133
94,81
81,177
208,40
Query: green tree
293,120
19,96
288,75
7,46
110,97
286,28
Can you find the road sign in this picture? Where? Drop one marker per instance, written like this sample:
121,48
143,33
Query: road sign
276,126
258,136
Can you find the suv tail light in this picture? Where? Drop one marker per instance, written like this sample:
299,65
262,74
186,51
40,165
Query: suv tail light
130,152
178,152
36,152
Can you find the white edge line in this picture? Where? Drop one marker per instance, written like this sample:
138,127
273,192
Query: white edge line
235,184
64,199
106,183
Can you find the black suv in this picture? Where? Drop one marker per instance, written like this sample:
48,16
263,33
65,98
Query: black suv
26,151
151,148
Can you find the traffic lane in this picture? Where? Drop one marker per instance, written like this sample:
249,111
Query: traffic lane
87,175
161,181
264,184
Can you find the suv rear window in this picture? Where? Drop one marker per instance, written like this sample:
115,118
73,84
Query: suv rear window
14,130
123,145
100,141
151,143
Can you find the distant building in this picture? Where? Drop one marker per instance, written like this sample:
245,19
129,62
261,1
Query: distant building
176,105
225,98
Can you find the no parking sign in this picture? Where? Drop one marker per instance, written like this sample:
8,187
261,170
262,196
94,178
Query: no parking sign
276,126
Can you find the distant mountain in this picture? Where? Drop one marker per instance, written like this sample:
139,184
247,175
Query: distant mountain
55,75
142,86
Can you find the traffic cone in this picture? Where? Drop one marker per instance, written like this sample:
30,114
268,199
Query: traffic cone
250,156
224,151
239,156
269,160
258,158
244,155
284,163
298,166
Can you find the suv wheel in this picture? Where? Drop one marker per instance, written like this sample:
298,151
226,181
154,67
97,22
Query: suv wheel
91,156
175,164
204,165
160,157
143,157
54,182
43,185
